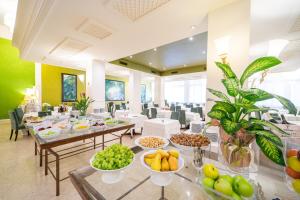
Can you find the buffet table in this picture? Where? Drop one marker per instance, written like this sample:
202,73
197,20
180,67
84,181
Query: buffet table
71,136
137,184
161,127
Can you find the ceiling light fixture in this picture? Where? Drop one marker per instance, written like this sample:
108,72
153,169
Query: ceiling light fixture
155,49
193,27
150,63
191,38
130,56
184,65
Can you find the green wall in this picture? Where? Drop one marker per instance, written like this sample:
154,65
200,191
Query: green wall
51,83
15,76
126,87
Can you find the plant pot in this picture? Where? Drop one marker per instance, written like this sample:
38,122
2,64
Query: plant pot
238,153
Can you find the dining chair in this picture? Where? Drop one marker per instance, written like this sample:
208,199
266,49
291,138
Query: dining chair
178,108
145,105
174,115
19,113
156,105
146,112
123,105
118,107
153,113
172,108
44,113
200,111
109,106
182,119
16,125
194,110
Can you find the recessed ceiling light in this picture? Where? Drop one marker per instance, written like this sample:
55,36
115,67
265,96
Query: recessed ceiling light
184,65
130,56
150,63
191,38
203,52
155,49
193,27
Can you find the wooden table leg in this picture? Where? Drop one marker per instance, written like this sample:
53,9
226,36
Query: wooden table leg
35,148
121,139
94,142
57,175
41,157
46,162
103,142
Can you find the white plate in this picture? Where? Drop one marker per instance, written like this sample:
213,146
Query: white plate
43,133
187,148
137,142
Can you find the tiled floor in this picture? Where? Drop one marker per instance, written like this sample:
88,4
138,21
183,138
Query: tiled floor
22,178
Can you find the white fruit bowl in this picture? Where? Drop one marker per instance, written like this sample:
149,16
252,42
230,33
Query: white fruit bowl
137,142
111,176
161,178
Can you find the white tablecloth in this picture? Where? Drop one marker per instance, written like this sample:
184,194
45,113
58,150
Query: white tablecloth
137,119
164,114
190,116
101,115
120,113
161,127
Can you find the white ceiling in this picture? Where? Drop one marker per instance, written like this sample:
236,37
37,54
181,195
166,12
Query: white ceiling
70,32
279,19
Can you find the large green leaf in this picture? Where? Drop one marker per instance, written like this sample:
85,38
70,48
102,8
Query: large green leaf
221,105
258,65
229,126
255,94
269,136
270,150
219,94
216,114
232,86
287,104
268,124
226,70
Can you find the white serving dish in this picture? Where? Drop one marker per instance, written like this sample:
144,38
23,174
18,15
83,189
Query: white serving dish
111,176
161,178
137,142
187,148
43,133
75,127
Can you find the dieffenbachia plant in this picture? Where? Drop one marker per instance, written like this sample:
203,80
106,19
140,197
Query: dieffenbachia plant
233,110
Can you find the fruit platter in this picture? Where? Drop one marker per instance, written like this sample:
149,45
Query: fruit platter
49,133
113,122
187,142
81,126
151,142
112,161
292,169
225,186
97,125
162,164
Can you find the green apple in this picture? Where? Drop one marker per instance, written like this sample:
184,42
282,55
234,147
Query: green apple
294,163
235,196
242,187
296,185
208,182
210,171
223,186
227,177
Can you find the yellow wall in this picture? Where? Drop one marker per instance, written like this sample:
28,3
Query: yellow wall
51,83
126,87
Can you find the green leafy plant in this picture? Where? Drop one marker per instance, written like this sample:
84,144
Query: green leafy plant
83,104
231,112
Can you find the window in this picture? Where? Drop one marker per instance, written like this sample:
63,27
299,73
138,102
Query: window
174,91
197,93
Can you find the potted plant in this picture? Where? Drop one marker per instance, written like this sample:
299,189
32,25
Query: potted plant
232,114
83,104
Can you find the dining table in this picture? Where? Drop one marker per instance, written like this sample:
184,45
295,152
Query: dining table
120,113
136,119
163,127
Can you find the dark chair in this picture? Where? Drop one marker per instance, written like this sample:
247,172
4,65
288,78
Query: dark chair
182,119
175,115
16,125
200,111
146,112
166,103
44,114
197,104
118,107
156,105
123,105
283,119
153,113
194,110
178,108
145,106
19,113
172,108
257,115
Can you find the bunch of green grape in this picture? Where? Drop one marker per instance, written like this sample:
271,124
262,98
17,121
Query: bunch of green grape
114,157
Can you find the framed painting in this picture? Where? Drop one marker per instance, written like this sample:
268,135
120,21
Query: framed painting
69,87
114,90
143,93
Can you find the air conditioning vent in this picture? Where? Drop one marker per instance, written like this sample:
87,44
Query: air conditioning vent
94,29
69,46
123,63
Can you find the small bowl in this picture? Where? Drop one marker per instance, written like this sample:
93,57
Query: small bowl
161,178
111,176
137,142
43,133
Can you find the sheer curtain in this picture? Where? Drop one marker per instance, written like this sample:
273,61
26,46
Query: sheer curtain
174,91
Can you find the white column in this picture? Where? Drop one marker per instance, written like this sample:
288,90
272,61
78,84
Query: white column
158,97
135,92
232,20
95,87
38,83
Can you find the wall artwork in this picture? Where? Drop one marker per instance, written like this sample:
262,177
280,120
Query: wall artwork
143,93
69,87
114,90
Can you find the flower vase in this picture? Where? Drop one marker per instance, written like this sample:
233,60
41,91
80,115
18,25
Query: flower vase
240,153
82,112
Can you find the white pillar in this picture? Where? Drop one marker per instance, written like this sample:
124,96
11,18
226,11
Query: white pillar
95,87
38,83
158,91
135,92
232,20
